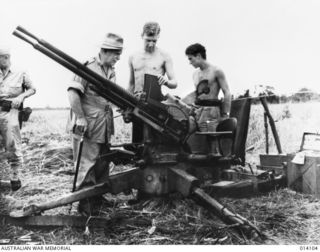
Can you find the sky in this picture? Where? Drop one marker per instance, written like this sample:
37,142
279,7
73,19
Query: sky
255,42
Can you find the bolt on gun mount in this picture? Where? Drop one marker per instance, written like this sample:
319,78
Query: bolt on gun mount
155,116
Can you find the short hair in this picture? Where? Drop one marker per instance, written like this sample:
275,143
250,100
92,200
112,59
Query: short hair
151,29
194,49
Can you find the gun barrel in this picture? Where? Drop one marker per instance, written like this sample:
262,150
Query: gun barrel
109,94
157,118
226,214
112,86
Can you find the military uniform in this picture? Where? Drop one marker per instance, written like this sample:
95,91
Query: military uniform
12,84
99,115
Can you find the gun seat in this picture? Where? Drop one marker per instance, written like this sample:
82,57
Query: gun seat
224,135
240,110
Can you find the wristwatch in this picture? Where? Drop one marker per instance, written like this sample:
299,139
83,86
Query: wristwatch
225,114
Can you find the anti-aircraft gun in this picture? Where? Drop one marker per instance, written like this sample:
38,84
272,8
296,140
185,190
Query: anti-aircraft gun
172,156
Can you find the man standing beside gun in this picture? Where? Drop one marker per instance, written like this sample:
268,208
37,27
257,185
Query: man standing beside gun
92,115
150,60
15,86
215,80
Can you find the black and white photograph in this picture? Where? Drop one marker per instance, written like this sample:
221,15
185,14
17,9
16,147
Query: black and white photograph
159,122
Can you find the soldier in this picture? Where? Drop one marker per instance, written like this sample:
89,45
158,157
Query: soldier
216,81
15,86
93,115
150,60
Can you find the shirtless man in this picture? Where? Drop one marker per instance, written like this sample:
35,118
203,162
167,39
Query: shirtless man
216,81
150,60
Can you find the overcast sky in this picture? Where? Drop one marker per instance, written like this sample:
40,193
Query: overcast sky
255,42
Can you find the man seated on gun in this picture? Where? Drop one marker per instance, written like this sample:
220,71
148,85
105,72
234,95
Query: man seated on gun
93,115
215,80
149,60
15,86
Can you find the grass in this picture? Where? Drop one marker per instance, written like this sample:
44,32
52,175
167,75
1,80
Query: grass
291,119
285,216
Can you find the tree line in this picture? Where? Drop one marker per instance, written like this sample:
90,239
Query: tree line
302,95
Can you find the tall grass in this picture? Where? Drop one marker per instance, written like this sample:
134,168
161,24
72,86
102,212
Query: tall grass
291,119
44,124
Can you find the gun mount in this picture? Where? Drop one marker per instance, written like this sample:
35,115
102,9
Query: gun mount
172,156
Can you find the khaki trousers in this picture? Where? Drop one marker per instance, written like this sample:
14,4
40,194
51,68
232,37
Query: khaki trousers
10,132
93,169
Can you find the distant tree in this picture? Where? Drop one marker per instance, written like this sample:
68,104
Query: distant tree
271,96
268,91
284,99
304,94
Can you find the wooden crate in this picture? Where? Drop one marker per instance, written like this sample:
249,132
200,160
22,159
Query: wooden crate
305,178
273,162
273,159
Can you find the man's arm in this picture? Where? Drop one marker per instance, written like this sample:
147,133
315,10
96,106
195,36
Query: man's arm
226,105
29,90
171,81
131,77
75,104
190,98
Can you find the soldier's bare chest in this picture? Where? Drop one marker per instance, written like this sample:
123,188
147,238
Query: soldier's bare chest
205,75
143,62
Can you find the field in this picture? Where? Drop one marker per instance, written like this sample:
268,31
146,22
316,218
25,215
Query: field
284,216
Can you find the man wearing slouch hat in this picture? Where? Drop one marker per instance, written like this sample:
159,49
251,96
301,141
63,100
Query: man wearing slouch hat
92,115
15,86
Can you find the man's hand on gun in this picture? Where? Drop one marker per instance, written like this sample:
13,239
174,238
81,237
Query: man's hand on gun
16,102
162,80
81,126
